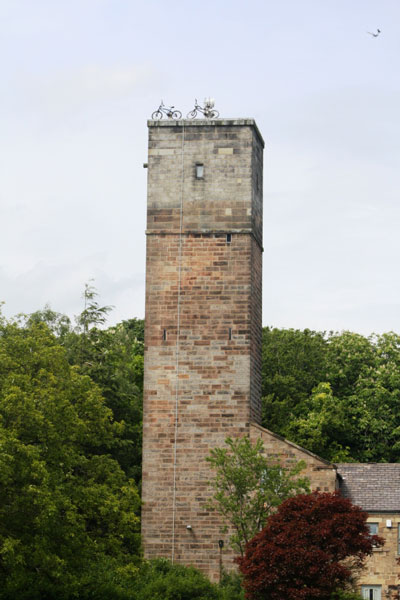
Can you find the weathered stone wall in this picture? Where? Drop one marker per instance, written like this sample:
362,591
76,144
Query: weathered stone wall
203,325
382,568
321,473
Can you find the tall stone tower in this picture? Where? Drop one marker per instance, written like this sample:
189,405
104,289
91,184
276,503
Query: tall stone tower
203,324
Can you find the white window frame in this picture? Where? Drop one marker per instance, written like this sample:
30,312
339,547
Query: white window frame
371,592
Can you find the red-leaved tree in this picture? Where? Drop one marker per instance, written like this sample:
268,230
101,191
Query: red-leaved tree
312,546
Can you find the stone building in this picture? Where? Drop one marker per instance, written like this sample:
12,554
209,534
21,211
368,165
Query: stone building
376,488
203,344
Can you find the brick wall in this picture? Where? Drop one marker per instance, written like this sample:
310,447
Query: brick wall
203,325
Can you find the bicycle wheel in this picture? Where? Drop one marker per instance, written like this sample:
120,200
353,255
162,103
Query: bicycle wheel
157,115
192,114
177,114
214,114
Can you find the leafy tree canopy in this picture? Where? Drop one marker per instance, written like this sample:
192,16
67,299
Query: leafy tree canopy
311,548
113,358
337,395
159,579
68,513
293,363
248,486
162,580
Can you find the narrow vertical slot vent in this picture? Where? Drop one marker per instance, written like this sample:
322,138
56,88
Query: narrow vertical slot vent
228,238
230,333
164,336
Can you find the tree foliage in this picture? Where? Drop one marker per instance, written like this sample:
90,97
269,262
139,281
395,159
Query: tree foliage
159,579
248,486
346,404
311,547
113,358
68,513
93,315
162,580
293,363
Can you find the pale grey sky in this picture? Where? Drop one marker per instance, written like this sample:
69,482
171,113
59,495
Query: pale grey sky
81,77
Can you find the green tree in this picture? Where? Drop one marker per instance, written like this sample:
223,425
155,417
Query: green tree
348,356
68,513
248,486
324,427
160,579
113,358
93,314
59,324
354,415
336,395
293,363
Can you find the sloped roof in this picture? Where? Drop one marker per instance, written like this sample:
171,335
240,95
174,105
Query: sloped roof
373,486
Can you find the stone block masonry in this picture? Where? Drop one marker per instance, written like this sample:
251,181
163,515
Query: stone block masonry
203,324
321,473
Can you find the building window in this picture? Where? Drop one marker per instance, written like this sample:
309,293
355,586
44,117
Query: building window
228,238
371,592
373,528
199,171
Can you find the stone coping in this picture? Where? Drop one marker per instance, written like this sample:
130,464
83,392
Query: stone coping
207,123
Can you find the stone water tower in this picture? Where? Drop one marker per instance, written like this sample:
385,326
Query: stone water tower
203,324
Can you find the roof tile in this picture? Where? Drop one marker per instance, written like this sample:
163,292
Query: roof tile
373,486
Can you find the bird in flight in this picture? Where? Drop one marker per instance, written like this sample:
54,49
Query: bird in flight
374,34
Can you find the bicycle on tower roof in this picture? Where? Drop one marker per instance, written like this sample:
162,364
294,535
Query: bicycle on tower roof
207,110
170,113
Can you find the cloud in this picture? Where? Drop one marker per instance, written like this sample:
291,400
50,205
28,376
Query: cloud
61,285
61,94
93,84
